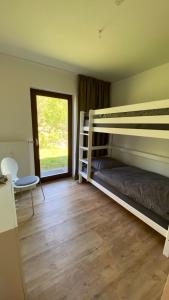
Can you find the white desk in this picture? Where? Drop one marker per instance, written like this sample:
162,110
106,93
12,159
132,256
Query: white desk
8,218
11,282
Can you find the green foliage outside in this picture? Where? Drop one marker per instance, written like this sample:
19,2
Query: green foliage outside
53,158
53,132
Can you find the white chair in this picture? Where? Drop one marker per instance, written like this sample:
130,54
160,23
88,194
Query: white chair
10,166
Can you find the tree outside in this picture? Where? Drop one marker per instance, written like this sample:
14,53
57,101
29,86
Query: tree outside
53,133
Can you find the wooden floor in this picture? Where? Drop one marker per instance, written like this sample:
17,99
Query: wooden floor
81,245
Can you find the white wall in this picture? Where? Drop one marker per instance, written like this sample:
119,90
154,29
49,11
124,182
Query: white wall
17,76
150,85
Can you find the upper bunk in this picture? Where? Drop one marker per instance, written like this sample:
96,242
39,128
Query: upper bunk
148,119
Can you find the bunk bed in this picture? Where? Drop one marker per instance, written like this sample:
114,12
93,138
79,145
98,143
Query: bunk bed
148,197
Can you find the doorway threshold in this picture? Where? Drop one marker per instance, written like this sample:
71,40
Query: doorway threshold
46,173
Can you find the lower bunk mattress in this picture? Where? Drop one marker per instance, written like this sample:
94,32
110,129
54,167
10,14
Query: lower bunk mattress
146,191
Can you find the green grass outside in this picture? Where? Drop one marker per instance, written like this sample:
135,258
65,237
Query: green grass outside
53,158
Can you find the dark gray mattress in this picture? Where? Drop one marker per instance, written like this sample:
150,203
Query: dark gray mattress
146,191
150,190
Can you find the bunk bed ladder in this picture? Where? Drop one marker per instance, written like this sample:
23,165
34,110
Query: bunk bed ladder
86,131
83,148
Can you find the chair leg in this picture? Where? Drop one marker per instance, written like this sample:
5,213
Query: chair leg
33,209
42,190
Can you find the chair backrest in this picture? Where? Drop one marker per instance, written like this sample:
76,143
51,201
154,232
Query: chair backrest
9,166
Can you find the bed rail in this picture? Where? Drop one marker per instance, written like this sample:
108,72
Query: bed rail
153,125
160,104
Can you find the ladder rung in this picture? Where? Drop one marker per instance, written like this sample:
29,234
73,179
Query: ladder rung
95,147
82,133
84,148
83,174
84,161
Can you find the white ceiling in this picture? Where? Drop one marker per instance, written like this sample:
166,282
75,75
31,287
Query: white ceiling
64,33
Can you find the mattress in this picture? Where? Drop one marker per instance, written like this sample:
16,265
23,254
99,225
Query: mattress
147,189
150,214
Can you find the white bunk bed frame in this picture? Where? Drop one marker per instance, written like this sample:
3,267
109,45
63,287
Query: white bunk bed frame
151,133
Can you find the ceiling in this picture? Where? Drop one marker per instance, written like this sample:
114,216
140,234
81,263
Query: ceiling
65,33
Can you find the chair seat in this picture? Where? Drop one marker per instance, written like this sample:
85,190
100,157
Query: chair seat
26,180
